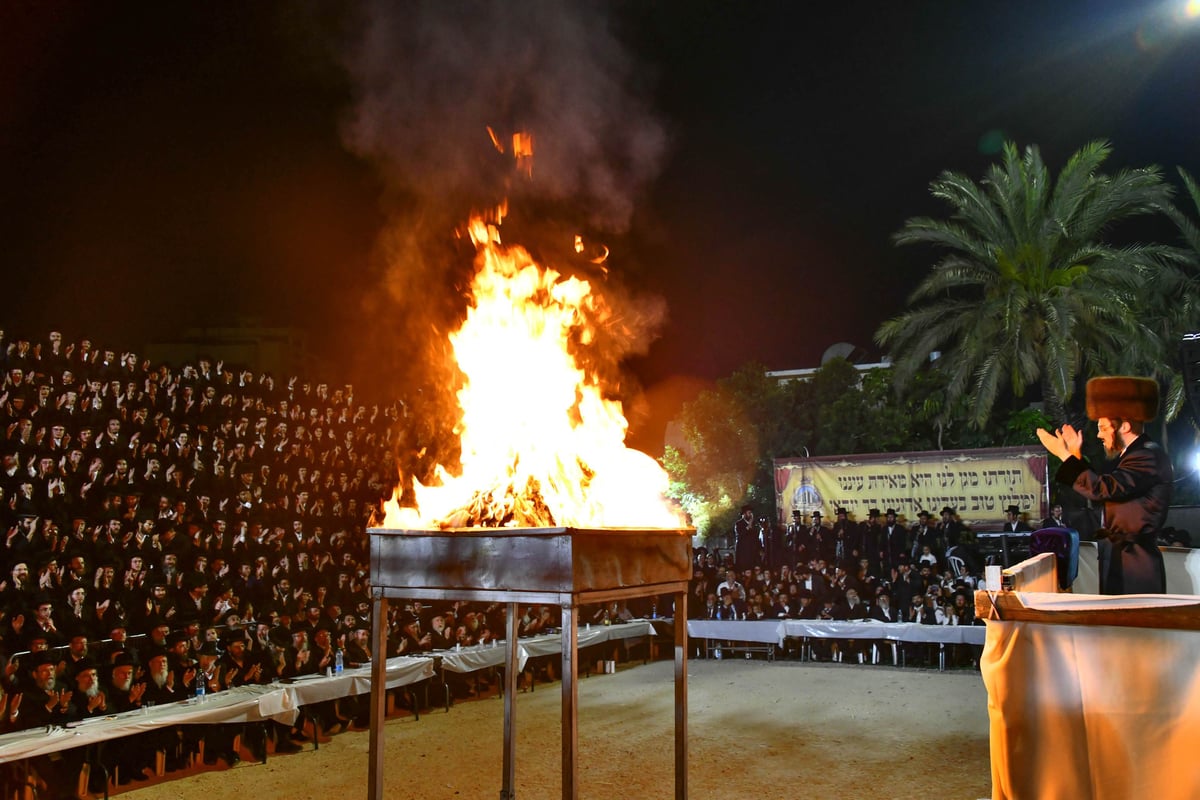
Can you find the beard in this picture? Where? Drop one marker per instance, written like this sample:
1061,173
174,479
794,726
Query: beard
1118,446
92,690
159,677
125,685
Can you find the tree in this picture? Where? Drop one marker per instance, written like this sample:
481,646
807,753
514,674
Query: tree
1178,288
1029,293
733,432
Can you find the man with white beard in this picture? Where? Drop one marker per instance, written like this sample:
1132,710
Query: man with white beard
89,700
44,704
123,694
165,685
41,705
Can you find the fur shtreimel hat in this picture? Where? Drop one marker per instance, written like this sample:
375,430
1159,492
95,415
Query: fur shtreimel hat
1122,397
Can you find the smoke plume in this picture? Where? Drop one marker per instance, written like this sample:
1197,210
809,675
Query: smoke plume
433,77
441,90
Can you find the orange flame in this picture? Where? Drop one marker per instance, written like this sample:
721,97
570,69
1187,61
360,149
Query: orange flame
495,140
522,145
542,445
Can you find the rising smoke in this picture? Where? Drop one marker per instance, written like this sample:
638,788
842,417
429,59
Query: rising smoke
431,79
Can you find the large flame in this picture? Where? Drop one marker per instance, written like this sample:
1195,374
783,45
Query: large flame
541,444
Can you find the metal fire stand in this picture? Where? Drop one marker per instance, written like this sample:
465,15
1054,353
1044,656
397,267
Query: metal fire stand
568,567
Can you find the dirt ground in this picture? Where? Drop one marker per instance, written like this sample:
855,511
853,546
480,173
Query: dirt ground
757,730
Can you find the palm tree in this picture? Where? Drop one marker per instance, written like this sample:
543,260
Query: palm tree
1028,292
1179,288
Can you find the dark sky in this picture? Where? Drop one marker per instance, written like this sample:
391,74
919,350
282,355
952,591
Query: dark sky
186,163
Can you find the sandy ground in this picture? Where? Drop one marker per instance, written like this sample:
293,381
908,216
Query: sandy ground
757,730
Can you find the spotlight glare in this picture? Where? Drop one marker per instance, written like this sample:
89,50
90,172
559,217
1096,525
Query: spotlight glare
1191,9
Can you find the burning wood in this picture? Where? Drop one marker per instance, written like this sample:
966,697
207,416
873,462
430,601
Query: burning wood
511,509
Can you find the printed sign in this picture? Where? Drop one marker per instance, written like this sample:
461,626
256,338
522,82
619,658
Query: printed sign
978,484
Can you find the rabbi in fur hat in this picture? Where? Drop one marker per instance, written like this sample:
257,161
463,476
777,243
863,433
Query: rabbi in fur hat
1135,488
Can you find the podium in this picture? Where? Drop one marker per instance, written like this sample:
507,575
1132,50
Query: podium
1090,696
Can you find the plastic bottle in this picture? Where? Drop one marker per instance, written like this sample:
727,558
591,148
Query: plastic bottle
654,610
338,663
201,679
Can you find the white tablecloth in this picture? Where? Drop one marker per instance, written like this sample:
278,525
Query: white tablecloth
278,701
1091,711
894,631
478,657
767,631
757,630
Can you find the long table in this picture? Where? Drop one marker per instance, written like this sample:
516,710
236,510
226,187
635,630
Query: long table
279,701
769,633
775,631
477,657
890,631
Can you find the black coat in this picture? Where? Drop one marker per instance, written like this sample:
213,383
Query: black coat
747,545
1136,493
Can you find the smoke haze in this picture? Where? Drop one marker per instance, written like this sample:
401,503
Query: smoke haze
433,83
432,77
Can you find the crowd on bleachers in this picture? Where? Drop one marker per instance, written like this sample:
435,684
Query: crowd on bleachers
168,524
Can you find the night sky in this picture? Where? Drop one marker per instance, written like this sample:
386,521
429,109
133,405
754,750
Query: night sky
748,162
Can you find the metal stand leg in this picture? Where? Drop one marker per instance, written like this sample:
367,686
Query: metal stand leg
681,739
378,701
508,785
570,704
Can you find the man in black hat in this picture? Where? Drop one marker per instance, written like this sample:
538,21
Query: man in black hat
42,703
893,541
842,524
1057,518
1013,522
358,645
797,536
818,537
924,535
76,652
1136,490
869,540
88,698
746,542
949,529
123,693
882,610
809,581
236,668
41,621
841,543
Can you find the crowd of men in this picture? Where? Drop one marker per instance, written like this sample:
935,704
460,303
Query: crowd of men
878,569
172,526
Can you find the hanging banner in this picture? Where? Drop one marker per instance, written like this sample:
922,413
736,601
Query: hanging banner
978,484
